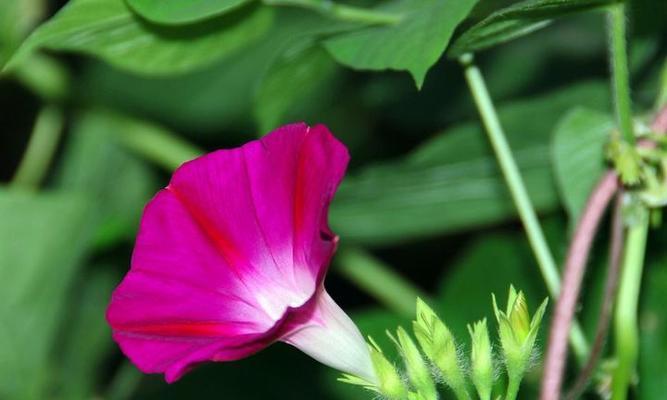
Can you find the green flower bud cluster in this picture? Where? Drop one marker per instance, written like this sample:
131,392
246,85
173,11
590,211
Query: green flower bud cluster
642,167
435,356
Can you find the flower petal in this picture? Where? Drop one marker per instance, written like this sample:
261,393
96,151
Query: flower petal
329,336
235,245
265,206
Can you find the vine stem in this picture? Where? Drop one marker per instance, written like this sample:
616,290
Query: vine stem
626,330
619,69
575,266
42,145
519,194
608,300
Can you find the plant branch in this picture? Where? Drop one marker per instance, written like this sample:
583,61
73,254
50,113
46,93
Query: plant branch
609,297
575,265
619,68
519,193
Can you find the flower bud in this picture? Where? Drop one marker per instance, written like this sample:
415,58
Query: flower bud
418,371
481,359
517,333
390,383
439,346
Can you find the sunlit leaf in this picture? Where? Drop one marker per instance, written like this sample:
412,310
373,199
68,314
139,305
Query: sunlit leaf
413,44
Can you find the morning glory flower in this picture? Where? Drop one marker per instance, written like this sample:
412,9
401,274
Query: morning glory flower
231,256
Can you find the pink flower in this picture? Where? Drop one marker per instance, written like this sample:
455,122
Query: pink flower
231,256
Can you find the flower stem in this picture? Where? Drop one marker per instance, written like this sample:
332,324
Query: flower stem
41,147
519,193
341,12
619,68
378,280
625,324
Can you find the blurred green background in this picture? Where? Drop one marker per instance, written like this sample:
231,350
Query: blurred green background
423,209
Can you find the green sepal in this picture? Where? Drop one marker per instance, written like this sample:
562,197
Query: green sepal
417,369
481,359
439,346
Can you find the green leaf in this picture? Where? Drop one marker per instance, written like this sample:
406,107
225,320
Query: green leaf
518,20
180,12
17,17
220,97
109,30
96,164
87,340
42,241
289,81
578,156
452,182
414,44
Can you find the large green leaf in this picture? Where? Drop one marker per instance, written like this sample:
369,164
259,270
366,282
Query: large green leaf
413,44
518,20
42,240
179,11
118,184
219,97
17,17
290,80
109,30
452,182
578,156
86,339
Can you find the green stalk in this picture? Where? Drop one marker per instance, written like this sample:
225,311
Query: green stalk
378,280
619,68
42,145
519,194
626,329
